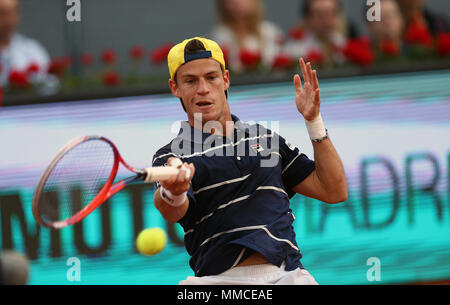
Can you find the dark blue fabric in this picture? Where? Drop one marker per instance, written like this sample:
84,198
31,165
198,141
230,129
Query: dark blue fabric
236,201
204,54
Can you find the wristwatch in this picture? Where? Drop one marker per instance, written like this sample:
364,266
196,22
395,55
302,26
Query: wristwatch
322,138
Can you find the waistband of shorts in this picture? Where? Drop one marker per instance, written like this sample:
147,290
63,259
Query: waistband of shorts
253,270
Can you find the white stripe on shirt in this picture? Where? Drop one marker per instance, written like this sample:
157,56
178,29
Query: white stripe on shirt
280,239
238,258
251,228
269,187
221,183
213,148
290,163
264,187
232,231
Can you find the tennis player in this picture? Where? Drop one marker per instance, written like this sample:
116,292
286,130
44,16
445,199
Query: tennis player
233,207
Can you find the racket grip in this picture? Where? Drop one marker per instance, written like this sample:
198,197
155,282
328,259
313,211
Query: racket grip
175,162
160,173
179,164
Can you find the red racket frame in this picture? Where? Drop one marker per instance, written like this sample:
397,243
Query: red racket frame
106,192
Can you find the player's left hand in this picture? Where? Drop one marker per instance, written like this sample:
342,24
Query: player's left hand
307,99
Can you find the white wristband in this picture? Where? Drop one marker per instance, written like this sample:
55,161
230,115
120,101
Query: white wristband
171,199
316,128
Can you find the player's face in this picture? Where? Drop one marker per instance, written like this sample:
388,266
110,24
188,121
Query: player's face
9,18
323,18
391,24
201,85
240,9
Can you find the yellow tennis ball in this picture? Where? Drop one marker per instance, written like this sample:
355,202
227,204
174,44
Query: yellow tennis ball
151,241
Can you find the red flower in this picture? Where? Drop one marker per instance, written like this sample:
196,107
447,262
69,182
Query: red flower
250,59
315,57
108,56
283,61
159,55
389,47
111,78
18,79
417,33
57,67
359,52
33,68
296,33
87,59
443,44
137,52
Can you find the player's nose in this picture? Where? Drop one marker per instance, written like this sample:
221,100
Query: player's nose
203,87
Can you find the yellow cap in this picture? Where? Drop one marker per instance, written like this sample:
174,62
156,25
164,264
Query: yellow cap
176,56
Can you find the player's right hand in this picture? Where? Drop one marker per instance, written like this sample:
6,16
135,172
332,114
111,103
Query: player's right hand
180,183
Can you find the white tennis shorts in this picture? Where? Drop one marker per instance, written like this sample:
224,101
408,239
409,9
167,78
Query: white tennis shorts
266,274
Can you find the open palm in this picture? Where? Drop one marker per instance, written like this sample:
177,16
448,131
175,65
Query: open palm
307,99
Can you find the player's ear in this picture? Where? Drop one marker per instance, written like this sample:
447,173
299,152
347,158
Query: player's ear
174,88
226,79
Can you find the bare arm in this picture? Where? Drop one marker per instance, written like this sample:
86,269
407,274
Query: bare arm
176,185
327,182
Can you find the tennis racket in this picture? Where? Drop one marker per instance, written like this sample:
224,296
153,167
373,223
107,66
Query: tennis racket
81,177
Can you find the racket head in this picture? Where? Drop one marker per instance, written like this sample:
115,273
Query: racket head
76,181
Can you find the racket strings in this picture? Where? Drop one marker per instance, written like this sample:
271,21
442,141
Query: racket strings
76,179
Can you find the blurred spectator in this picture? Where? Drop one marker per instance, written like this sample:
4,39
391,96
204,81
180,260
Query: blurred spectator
20,56
246,38
14,268
322,33
387,34
415,12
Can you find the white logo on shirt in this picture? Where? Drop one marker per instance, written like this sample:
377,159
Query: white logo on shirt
257,147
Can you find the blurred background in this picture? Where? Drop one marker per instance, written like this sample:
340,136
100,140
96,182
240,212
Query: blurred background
99,67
